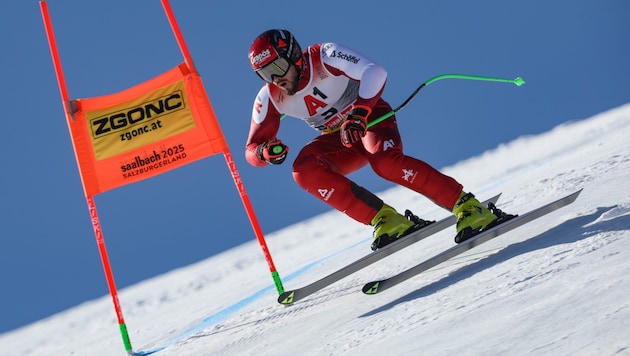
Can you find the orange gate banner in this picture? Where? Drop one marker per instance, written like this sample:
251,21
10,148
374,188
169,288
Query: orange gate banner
151,128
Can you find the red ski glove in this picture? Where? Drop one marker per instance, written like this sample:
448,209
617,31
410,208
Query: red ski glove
354,126
274,152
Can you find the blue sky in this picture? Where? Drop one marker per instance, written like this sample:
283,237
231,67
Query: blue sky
574,56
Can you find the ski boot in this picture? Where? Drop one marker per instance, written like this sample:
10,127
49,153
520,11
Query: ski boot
389,226
473,218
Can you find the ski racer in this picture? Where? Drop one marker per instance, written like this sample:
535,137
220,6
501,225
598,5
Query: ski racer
337,91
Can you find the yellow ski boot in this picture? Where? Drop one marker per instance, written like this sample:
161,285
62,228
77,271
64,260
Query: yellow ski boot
389,225
472,217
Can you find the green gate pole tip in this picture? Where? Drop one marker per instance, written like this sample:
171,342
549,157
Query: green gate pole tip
519,81
278,282
125,336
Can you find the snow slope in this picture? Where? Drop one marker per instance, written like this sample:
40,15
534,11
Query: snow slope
557,286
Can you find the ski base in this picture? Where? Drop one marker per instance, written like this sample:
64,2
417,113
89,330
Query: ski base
379,286
291,296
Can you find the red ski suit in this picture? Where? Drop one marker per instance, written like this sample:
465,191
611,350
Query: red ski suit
334,79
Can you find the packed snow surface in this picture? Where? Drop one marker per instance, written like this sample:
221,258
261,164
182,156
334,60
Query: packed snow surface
557,286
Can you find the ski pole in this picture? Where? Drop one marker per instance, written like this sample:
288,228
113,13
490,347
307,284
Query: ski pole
518,81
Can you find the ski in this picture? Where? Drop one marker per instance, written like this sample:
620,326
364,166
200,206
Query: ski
291,296
484,236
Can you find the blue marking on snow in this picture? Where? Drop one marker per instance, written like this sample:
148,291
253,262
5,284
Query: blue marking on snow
209,321
222,315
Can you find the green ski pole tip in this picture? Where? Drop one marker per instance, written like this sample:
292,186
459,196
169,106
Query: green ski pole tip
519,81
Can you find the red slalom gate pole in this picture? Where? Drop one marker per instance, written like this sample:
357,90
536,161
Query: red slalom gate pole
228,158
98,232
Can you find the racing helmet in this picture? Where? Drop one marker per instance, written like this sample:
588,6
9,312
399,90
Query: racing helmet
272,53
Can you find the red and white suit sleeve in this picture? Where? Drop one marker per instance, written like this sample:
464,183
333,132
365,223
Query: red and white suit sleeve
264,126
341,60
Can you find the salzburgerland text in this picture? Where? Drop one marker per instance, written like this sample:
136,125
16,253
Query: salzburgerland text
157,160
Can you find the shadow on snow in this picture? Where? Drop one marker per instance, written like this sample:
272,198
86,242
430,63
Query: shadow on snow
570,231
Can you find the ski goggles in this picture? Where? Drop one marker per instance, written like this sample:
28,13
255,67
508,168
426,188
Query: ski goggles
278,68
